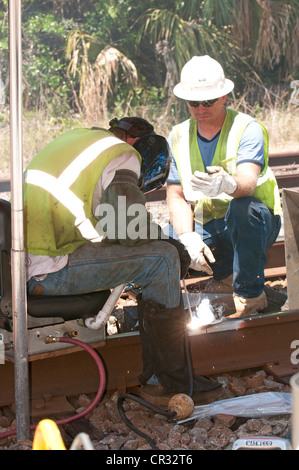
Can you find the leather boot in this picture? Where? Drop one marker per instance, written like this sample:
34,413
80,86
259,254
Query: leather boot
165,348
225,286
147,356
234,306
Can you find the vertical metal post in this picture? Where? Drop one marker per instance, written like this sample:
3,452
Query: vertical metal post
294,382
19,299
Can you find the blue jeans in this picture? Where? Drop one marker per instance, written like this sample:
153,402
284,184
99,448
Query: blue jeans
239,242
155,266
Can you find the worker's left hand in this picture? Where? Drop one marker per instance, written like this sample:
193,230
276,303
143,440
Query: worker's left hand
214,182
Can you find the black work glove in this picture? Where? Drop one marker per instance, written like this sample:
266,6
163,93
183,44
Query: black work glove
124,188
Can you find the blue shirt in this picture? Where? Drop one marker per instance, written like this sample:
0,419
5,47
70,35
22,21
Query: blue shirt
251,149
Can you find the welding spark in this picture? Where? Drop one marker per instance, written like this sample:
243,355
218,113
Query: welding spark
203,315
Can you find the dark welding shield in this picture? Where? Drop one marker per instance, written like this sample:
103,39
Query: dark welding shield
155,165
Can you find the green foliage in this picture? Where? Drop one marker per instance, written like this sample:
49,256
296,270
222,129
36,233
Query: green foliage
44,61
253,41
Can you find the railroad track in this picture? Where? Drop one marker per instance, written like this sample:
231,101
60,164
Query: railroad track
261,341
284,165
258,341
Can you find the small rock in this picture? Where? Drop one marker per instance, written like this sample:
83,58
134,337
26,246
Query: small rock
198,435
237,387
224,420
204,423
83,401
4,422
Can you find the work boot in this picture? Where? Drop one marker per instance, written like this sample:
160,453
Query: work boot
165,349
234,306
147,356
225,286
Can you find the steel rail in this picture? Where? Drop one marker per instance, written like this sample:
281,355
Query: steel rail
277,161
283,159
263,341
259,341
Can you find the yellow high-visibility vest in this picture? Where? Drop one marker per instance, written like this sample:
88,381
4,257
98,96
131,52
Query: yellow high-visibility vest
188,159
58,187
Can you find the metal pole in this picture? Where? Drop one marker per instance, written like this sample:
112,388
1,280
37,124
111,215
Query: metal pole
294,382
19,299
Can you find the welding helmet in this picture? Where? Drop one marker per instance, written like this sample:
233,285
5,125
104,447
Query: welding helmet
155,164
134,126
153,149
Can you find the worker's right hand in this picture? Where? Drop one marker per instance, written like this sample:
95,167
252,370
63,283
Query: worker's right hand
199,252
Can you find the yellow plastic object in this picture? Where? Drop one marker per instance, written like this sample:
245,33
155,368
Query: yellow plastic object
47,436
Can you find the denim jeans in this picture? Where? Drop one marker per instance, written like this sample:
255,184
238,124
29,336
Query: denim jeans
239,242
155,266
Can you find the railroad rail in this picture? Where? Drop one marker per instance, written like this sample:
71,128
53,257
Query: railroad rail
284,165
257,341
261,341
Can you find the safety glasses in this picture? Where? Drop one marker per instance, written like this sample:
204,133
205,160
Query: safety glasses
205,104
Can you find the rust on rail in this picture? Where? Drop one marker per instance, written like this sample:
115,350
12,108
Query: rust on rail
258,341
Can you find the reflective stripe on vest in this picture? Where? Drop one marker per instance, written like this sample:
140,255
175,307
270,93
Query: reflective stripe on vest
184,154
233,140
59,187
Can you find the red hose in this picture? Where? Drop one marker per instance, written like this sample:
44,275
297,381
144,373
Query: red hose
93,403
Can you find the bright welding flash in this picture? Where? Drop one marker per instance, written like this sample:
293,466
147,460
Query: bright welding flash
202,316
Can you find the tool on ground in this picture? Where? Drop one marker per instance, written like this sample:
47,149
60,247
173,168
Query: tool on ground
47,436
187,299
262,443
179,405
182,405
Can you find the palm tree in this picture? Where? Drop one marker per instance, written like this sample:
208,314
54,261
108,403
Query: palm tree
278,34
250,38
100,69
186,32
228,30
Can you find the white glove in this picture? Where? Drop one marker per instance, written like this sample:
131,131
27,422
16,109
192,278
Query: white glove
198,251
213,183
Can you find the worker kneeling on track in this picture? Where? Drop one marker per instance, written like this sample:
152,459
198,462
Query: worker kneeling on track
81,195
222,195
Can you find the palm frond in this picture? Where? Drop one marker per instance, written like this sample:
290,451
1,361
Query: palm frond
278,23
185,38
102,78
218,12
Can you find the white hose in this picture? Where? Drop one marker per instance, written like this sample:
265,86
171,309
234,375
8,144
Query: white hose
96,322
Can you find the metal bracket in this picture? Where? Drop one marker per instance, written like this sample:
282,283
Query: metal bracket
44,339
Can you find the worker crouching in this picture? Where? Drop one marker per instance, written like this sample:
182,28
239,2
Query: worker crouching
73,247
222,196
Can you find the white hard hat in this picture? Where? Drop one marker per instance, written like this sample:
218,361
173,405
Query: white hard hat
202,78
